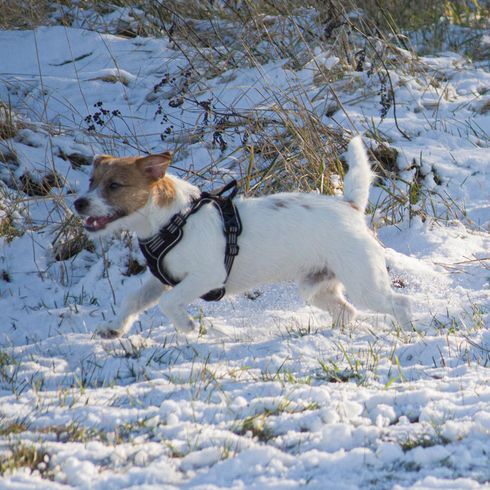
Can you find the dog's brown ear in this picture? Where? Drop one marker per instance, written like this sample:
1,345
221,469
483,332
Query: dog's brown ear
98,159
155,166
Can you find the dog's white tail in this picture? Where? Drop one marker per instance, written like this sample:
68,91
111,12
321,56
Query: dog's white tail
359,177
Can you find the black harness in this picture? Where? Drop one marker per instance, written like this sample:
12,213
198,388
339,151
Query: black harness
156,247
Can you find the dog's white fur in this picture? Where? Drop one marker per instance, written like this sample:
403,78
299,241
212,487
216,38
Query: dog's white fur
323,243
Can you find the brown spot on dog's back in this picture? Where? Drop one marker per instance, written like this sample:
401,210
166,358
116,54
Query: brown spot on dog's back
319,276
278,203
353,205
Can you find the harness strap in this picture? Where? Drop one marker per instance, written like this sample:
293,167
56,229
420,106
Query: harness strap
155,248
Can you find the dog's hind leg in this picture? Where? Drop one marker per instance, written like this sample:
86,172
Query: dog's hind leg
326,294
368,285
402,311
390,303
136,302
330,297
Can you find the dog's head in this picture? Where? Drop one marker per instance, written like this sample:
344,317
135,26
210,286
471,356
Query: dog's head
121,187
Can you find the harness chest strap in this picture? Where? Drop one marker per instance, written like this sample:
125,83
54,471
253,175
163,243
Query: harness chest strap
156,247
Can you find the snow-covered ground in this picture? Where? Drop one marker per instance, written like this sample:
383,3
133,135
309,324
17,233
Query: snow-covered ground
270,396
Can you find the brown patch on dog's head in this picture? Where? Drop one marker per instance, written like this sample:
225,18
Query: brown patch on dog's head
98,159
163,192
155,167
127,183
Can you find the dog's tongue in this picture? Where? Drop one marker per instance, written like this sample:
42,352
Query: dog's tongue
95,223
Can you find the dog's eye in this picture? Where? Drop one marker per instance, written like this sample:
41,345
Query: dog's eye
91,181
114,185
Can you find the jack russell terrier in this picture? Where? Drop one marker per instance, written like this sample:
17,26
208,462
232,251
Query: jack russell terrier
201,245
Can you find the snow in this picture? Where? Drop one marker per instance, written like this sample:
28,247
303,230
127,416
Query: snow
271,396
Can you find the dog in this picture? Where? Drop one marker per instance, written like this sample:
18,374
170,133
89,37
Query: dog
321,242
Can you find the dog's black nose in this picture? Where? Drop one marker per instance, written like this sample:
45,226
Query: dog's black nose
81,204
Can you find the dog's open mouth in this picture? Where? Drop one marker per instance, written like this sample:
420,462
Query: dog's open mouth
97,223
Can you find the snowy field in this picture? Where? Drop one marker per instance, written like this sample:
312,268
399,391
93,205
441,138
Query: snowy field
269,395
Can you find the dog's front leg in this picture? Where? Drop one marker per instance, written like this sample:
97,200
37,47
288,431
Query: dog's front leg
136,302
174,302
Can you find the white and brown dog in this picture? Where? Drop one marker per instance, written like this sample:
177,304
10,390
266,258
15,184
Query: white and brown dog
321,242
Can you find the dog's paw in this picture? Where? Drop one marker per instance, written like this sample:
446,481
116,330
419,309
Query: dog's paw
402,312
186,325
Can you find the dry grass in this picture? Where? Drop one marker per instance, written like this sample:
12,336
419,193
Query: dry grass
24,14
183,17
290,145
9,124
290,159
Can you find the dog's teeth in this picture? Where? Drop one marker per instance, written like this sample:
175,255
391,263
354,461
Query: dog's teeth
90,222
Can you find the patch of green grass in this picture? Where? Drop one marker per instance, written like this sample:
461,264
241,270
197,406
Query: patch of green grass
470,320
333,373
7,368
299,330
423,440
7,429
256,425
28,456
349,366
74,432
6,359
